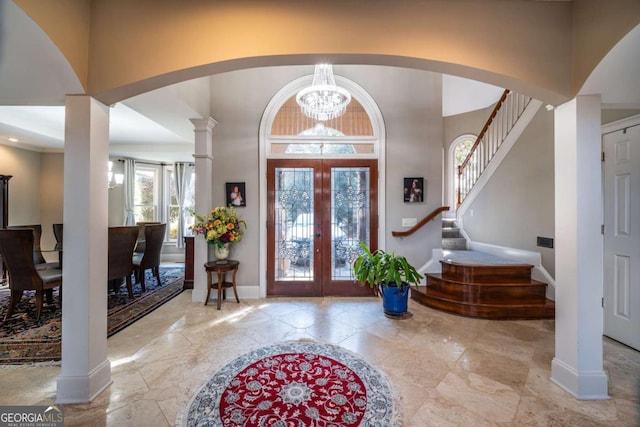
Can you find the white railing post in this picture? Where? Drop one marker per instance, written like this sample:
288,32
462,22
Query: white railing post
499,127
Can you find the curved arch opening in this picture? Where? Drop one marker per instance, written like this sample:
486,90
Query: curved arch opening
458,151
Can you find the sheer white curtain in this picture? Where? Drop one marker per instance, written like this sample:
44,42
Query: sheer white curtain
182,173
129,191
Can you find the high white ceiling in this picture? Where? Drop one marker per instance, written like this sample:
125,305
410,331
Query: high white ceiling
34,78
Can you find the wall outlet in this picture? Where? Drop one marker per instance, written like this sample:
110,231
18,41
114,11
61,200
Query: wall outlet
409,222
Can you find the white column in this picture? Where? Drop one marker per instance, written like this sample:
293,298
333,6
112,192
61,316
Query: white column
85,368
577,366
204,196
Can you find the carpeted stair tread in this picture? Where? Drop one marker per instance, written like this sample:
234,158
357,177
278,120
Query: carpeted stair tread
454,243
451,233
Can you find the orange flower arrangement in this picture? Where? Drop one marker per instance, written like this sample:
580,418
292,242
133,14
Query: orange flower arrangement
220,227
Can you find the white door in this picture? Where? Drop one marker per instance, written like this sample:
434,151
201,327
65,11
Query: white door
622,236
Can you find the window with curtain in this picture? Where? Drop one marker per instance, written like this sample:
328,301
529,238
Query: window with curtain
146,193
190,202
173,207
156,197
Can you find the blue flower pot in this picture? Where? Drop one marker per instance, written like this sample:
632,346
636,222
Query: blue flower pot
395,299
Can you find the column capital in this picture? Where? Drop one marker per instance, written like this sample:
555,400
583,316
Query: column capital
203,124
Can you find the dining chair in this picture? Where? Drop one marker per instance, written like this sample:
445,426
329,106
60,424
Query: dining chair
57,233
140,245
16,247
150,258
38,258
122,240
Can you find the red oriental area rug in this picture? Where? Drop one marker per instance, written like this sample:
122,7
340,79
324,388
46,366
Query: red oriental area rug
295,384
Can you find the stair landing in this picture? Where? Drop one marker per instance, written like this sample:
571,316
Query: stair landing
475,284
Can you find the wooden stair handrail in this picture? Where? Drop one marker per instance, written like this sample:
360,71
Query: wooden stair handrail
475,145
483,131
420,224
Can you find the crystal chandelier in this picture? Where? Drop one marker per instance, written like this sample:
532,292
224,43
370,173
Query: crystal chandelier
323,100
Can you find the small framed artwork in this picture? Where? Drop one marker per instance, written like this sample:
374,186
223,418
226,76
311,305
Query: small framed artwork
413,190
236,194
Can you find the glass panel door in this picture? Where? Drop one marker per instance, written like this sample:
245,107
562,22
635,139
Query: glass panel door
349,217
293,230
295,224
319,211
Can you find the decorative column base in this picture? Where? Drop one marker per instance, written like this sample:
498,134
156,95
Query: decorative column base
582,385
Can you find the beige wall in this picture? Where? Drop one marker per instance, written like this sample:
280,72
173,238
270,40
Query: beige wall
609,116
411,105
517,204
67,22
51,198
122,48
35,191
598,26
24,187
410,102
142,45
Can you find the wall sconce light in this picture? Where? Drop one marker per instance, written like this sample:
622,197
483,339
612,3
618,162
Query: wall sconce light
115,179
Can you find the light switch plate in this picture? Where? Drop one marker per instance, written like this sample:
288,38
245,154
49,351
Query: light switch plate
409,222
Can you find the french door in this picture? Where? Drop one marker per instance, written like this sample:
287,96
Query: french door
318,212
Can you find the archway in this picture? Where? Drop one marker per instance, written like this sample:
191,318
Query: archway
456,154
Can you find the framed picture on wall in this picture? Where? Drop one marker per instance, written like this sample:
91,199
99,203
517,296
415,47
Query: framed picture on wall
413,190
236,194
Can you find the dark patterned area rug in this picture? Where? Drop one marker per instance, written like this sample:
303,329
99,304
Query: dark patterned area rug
295,383
25,340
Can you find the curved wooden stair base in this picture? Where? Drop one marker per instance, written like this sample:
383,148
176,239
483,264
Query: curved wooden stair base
499,292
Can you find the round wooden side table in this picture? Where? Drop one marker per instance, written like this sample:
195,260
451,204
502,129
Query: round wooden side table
221,269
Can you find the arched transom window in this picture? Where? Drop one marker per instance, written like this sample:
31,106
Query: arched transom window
294,135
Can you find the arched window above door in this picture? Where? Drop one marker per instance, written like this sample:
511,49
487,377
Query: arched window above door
288,133
290,121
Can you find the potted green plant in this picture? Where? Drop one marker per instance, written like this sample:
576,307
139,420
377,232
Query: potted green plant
390,276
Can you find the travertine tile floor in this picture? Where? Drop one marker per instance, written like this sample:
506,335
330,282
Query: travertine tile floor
449,370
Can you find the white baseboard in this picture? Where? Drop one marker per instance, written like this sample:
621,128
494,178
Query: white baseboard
179,257
244,292
591,385
249,291
83,388
433,265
